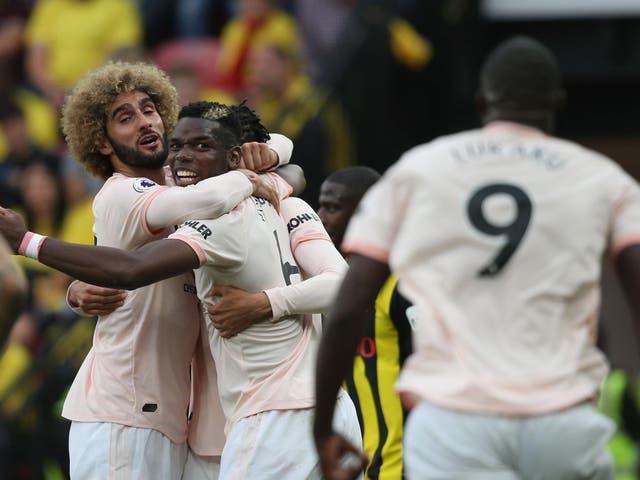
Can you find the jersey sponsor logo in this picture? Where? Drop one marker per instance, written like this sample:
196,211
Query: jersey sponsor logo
142,184
298,220
412,316
199,227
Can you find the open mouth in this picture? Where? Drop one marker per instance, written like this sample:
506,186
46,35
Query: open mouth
184,176
149,140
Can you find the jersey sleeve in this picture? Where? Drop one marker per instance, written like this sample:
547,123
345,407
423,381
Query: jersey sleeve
209,198
374,226
315,254
213,242
625,215
283,146
303,224
325,268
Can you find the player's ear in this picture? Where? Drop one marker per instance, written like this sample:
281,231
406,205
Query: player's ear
234,157
104,147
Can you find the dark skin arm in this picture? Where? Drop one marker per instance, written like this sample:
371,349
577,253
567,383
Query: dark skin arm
342,332
105,266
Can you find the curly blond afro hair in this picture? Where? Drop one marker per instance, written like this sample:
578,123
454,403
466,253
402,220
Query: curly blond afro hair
84,114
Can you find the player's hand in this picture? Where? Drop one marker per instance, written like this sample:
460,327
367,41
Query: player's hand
262,188
12,228
94,300
236,309
339,459
258,157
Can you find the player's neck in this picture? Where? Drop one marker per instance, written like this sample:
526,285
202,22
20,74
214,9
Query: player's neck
540,119
155,174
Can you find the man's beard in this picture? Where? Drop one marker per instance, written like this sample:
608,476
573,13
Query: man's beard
134,158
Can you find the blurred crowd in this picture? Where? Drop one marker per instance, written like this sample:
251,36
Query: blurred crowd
351,82
327,74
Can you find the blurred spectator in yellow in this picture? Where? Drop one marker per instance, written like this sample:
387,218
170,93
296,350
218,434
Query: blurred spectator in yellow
13,290
47,343
66,38
190,62
289,103
13,18
43,206
354,48
18,417
256,22
19,150
40,117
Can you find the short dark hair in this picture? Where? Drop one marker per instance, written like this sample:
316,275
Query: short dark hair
357,179
521,74
230,132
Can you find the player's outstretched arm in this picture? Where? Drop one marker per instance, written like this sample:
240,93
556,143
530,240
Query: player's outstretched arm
102,266
342,332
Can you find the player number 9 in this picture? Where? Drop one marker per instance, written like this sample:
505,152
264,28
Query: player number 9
513,232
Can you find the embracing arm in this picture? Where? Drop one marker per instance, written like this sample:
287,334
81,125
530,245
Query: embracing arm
215,196
116,268
342,332
294,176
325,268
209,198
86,299
103,266
238,309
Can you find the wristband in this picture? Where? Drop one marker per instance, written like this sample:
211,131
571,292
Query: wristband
31,245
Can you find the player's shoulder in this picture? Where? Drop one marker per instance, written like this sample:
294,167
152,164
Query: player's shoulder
432,150
142,184
119,184
298,215
586,157
292,206
120,190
